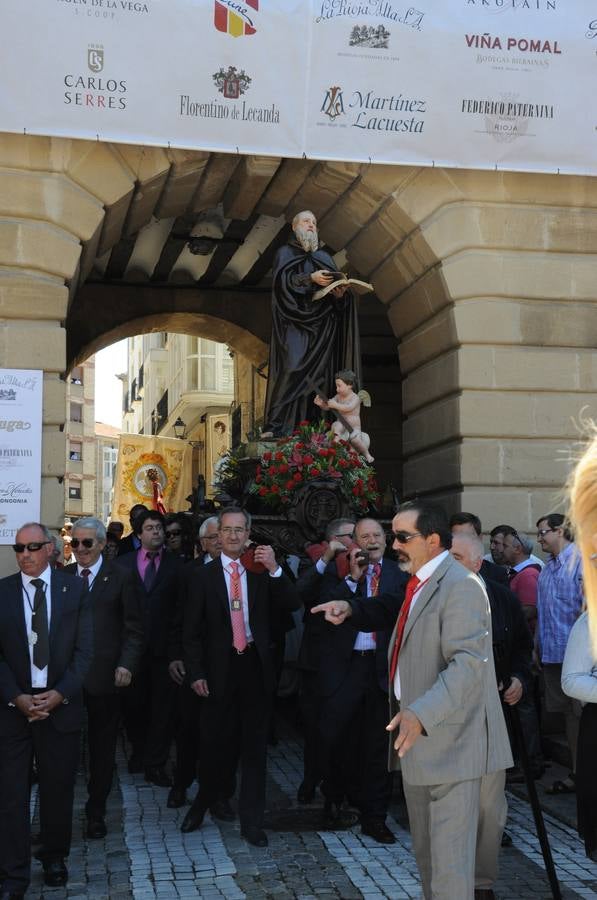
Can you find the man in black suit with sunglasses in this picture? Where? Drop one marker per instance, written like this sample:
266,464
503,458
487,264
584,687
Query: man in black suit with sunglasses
46,644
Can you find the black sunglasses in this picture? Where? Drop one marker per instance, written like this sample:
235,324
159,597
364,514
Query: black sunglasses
173,534
33,547
87,542
403,537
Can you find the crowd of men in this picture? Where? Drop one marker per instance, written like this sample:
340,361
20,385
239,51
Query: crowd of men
412,657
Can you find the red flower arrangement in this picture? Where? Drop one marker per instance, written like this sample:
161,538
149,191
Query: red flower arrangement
310,453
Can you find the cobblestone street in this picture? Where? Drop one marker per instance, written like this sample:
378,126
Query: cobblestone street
145,856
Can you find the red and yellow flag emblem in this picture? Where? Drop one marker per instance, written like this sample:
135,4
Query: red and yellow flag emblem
234,17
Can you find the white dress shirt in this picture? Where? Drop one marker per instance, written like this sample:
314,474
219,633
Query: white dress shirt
243,582
93,570
423,574
39,677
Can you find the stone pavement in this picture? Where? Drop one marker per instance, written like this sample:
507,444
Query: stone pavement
145,856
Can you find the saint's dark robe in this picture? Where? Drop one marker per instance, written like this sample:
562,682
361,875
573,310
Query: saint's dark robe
311,339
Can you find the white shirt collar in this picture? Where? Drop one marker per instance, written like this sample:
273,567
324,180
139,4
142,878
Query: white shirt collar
94,569
45,576
226,563
427,570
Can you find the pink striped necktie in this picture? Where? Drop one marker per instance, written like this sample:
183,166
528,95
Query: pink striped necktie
239,635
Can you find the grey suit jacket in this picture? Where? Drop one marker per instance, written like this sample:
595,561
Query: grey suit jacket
447,679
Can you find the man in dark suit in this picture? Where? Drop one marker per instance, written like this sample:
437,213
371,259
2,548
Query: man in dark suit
338,540
353,681
118,645
469,523
228,657
132,541
150,702
189,704
46,643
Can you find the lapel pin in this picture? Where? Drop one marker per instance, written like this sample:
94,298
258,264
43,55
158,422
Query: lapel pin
105,577
64,589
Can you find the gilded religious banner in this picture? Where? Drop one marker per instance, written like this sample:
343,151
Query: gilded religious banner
154,471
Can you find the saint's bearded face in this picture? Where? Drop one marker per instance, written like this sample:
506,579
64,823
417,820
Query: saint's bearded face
306,237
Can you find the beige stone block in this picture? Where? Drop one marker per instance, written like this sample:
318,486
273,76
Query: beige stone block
430,382
52,198
327,182
53,451
432,426
382,234
54,399
35,245
217,174
186,170
432,470
497,506
151,167
52,502
32,345
430,340
31,296
557,276
535,463
98,168
289,178
524,415
247,185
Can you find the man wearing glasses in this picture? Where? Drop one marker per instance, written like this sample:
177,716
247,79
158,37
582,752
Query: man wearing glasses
118,646
447,727
150,701
228,656
46,645
559,603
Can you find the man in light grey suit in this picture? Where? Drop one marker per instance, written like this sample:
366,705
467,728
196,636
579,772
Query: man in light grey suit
448,733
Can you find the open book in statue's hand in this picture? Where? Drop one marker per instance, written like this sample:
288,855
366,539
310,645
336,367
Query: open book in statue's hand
340,279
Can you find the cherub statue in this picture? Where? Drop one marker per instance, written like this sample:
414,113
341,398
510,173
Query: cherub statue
347,405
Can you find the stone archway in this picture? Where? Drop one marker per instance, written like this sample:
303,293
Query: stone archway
487,280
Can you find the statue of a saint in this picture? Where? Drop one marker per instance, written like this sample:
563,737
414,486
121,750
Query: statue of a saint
311,339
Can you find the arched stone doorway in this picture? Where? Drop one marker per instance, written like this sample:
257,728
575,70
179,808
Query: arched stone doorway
487,280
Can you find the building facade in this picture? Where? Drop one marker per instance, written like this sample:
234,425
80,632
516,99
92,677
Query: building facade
106,458
79,430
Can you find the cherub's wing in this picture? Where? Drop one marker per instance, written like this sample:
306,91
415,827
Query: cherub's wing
364,397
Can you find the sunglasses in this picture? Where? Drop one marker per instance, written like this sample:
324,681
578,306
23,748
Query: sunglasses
403,537
544,531
33,547
86,542
172,534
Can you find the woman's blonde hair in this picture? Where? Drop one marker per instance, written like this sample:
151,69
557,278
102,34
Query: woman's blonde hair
583,517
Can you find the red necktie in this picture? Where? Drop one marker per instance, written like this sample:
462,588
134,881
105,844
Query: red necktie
374,588
239,635
411,587
85,573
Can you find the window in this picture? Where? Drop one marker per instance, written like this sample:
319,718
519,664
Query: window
76,412
75,451
74,492
76,376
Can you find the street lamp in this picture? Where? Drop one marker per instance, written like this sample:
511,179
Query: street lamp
180,431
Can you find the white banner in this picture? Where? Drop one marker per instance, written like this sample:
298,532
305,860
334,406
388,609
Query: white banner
21,392
504,84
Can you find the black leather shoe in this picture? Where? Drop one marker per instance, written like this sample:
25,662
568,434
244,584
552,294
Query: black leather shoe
55,873
335,818
377,830
135,765
10,895
157,775
484,894
193,820
254,835
223,811
305,793
96,827
176,798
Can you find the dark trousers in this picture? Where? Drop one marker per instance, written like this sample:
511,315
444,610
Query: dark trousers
150,711
186,738
57,754
356,716
309,706
103,719
236,724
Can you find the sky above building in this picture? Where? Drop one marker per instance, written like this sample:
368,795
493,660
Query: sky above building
109,363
